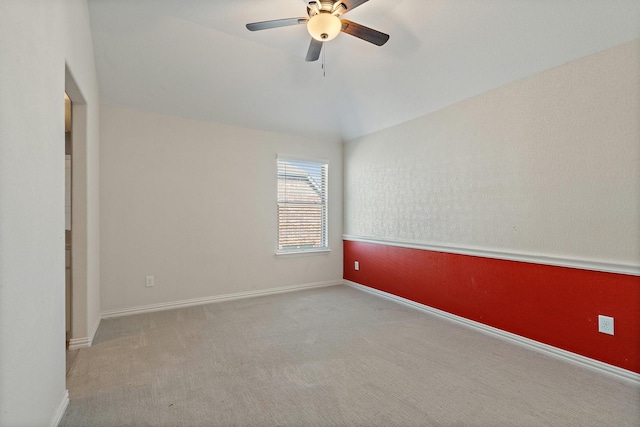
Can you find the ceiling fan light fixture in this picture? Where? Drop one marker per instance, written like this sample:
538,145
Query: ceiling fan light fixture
324,26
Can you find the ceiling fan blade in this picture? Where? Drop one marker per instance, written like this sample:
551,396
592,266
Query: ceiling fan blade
314,50
276,23
352,4
364,33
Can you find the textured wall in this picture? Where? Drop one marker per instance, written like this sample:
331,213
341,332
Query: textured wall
547,165
194,204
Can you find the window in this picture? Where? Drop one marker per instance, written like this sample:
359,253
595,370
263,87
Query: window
302,205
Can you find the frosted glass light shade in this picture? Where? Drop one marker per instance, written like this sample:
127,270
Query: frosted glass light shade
324,26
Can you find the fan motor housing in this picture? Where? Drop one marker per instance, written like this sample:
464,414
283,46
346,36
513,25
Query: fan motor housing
334,7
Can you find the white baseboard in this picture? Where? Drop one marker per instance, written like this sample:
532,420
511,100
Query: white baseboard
85,342
212,299
586,362
76,343
62,407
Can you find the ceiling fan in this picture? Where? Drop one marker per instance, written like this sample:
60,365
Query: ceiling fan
324,24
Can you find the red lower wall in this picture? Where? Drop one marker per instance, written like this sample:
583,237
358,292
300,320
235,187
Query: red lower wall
558,306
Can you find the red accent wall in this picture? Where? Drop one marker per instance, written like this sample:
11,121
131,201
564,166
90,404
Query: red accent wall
558,306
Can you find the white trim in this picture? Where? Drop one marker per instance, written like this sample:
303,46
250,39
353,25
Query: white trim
62,407
302,158
217,298
593,265
85,342
293,253
576,359
76,343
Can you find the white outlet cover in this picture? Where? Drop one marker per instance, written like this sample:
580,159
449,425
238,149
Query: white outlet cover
356,265
605,324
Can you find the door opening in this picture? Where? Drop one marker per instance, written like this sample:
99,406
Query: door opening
67,213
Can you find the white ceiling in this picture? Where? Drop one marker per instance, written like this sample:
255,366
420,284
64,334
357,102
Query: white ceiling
196,59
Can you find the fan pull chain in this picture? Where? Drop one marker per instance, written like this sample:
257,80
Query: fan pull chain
324,67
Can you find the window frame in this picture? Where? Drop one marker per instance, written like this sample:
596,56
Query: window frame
322,163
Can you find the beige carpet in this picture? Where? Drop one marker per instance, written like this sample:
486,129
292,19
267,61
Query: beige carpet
327,357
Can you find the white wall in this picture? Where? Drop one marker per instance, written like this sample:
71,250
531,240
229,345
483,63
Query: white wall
549,165
34,46
194,204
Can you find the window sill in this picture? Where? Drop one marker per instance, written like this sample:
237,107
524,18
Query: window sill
286,254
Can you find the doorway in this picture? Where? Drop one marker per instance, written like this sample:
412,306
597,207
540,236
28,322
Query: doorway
76,247
67,214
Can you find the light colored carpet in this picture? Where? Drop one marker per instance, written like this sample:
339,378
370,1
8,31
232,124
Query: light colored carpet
327,357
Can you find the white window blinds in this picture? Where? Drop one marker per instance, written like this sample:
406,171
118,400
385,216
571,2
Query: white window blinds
302,205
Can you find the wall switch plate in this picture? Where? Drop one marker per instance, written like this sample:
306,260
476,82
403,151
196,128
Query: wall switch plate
356,265
149,281
605,324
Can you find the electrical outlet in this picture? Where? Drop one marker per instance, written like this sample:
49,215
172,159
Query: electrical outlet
356,265
149,281
605,324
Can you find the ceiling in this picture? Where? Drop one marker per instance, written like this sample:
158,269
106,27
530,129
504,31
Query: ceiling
196,59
